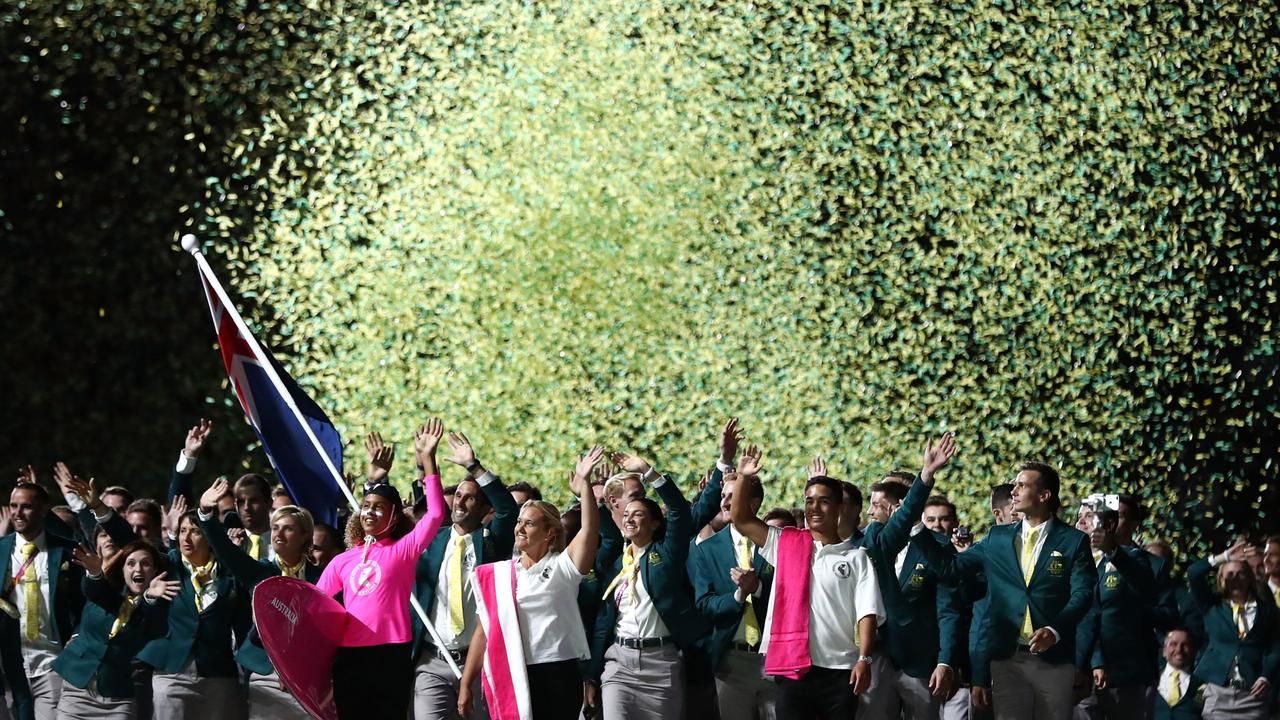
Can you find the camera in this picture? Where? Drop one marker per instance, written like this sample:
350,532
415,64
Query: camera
1100,502
962,534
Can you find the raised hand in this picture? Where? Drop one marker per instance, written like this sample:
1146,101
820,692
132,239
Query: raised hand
630,463
6,520
460,451
174,515
237,536
86,491
209,500
87,559
63,476
937,455
380,455
817,467
750,465
196,438
730,438
161,589
425,443
580,482
27,475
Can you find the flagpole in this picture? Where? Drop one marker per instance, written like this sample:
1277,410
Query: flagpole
191,245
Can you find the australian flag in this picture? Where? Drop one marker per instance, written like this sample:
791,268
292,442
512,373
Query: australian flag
277,408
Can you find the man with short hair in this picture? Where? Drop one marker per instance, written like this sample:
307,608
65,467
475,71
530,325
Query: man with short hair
822,662
523,492
1178,687
326,544
914,668
443,583
42,603
1122,630
939,516
1002,512
146,520
1040,582
731,583
117,498
850,510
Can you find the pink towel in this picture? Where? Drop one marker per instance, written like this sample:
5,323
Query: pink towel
505,680
788,653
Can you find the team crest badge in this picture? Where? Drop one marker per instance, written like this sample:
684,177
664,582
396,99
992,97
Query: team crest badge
1056,567
842,569
655,558
1112,582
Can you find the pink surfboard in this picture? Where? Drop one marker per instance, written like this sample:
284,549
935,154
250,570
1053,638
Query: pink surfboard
301,628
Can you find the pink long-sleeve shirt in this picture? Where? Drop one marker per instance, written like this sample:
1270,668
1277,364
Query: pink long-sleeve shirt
376,590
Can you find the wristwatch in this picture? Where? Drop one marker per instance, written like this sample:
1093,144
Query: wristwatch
864,658
471,466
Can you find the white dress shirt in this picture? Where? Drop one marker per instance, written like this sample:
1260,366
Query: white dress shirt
547,605
842,591
440,604
1166,682
638,619
37,655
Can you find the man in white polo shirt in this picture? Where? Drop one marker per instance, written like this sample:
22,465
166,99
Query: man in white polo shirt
844,603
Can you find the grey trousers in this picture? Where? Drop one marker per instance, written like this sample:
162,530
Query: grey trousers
957,708
742,689
269,701
185,695
46,690
894,694
1025,687
646,683
1224,703
435,691
87,704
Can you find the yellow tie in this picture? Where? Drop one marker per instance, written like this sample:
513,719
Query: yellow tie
1175,688
200,576
456,621
1242,621
122,617
255,547
1028,566
752,630
31,592
630,567
294,571
1278,597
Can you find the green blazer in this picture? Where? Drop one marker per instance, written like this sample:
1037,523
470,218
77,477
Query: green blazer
713,590
93,654
1188,706
248,573
1059,596
1258,653
207,636
1124,639
492,542
663,571
68,603
921,614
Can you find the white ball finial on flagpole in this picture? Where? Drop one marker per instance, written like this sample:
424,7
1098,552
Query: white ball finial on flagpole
190,244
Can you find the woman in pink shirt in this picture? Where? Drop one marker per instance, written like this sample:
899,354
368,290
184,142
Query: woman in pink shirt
373,671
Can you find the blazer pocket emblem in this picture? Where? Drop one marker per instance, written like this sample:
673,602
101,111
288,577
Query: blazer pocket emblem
917,580
65,566
1112,582
655,558
1056,566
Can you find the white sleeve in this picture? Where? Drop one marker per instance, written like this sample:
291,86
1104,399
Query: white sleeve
770,550
866,594
565,570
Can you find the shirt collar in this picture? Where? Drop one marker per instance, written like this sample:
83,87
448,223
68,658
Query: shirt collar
1043,527
41,542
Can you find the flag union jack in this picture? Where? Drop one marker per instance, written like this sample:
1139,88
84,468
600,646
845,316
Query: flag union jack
279,411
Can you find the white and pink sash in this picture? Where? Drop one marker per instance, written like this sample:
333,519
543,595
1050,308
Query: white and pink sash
506,683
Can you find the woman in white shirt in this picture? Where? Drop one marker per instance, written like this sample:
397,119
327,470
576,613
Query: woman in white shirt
529,606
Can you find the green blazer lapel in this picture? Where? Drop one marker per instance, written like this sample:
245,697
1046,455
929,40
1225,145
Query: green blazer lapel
908,567
726,554
55,553
6,554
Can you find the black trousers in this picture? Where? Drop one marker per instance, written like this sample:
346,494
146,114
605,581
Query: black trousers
822,694
373,682
555,690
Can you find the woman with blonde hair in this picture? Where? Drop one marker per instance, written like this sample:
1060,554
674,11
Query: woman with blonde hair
530,637
292,530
